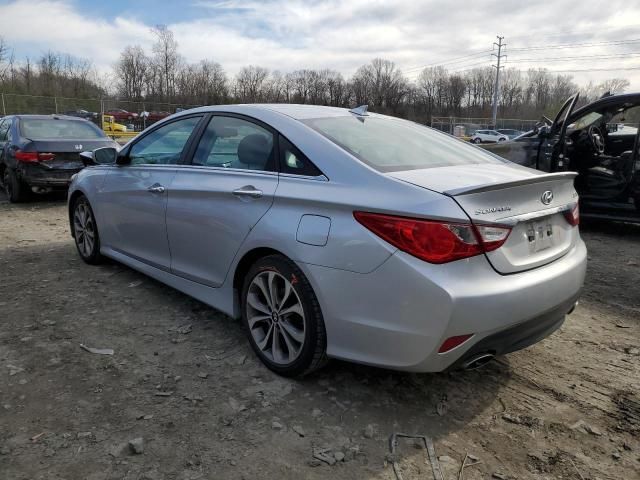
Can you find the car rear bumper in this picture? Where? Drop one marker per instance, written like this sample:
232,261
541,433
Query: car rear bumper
400,314
37,176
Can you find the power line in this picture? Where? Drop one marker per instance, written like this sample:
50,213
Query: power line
575,58
576,45
574,33
448,62
614,69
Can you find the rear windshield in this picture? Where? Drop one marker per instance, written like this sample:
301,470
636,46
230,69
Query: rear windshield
61,129
388,144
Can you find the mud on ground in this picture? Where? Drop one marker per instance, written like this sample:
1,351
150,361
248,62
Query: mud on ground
184,380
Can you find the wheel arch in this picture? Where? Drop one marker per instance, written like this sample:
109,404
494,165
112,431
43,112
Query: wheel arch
242,268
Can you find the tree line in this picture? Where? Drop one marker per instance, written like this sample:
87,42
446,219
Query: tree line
162,75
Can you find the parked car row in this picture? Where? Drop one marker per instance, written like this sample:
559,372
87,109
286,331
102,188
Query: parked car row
120,115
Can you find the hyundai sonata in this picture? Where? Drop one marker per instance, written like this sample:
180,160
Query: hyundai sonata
339,233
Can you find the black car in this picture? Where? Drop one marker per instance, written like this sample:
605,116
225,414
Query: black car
40,153
601,142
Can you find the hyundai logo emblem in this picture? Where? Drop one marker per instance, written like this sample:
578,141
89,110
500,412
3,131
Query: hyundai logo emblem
547,197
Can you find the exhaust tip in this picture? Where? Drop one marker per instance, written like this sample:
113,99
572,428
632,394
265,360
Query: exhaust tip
572,308
478,361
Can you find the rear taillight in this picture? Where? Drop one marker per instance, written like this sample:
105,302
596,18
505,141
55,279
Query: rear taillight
32,157
434,241
573,215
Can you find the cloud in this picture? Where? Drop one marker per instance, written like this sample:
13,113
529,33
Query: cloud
292,34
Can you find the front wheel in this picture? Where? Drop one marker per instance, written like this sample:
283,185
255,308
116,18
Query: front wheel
282,317
85,232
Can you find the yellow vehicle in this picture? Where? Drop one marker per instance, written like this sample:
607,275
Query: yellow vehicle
109,124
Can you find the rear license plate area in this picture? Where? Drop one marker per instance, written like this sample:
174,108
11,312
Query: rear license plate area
540,235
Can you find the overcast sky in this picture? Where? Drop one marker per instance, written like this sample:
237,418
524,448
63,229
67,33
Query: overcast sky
341,34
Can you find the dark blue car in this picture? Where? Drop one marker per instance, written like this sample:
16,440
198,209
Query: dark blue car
40,153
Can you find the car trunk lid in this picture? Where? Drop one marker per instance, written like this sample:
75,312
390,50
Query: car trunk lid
66,152
510,195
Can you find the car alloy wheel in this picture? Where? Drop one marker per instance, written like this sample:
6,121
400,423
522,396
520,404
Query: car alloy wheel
282,317
85,232
275,317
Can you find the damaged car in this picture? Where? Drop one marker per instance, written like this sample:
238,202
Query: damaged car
600,142
40,153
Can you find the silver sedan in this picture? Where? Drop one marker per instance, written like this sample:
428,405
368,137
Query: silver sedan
337,233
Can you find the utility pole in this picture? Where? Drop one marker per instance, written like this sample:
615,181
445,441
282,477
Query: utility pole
496,87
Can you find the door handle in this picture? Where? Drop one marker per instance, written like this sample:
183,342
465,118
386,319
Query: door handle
248,191
156,188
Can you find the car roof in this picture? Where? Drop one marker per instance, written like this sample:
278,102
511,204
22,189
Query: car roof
296,111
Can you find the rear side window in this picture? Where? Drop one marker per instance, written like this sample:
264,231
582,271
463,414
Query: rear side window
293,161
389,144
231,142
59,129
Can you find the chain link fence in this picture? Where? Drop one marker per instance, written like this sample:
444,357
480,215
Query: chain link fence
124,112
465,127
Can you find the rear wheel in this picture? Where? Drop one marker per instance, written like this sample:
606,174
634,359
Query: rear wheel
476,141
283,319
16,190
85,232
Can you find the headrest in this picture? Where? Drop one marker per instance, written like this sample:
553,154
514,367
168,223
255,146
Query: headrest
254,150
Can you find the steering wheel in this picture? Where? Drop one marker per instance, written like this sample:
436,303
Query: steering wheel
597,139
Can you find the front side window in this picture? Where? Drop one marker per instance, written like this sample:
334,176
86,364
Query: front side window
231,142
164,145
390,144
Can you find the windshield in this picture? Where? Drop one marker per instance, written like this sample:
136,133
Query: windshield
388,144
585,121
59,129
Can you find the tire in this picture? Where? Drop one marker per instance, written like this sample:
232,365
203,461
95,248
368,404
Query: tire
16,190
476,141
300,338
502,140
85,232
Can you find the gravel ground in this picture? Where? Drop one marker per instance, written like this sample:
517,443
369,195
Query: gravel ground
183,397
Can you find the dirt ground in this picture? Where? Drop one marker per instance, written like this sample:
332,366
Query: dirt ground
184,380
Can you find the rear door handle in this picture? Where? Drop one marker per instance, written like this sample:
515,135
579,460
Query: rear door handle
248,191
156,188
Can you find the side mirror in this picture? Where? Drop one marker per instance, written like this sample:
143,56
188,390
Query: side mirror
105,156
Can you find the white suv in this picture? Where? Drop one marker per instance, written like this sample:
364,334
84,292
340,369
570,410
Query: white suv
481,136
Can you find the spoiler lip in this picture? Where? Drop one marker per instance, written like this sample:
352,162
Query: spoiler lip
455,192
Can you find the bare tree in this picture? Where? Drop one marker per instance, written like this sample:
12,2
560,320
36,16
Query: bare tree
250,84
132,71
614,85
167,59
